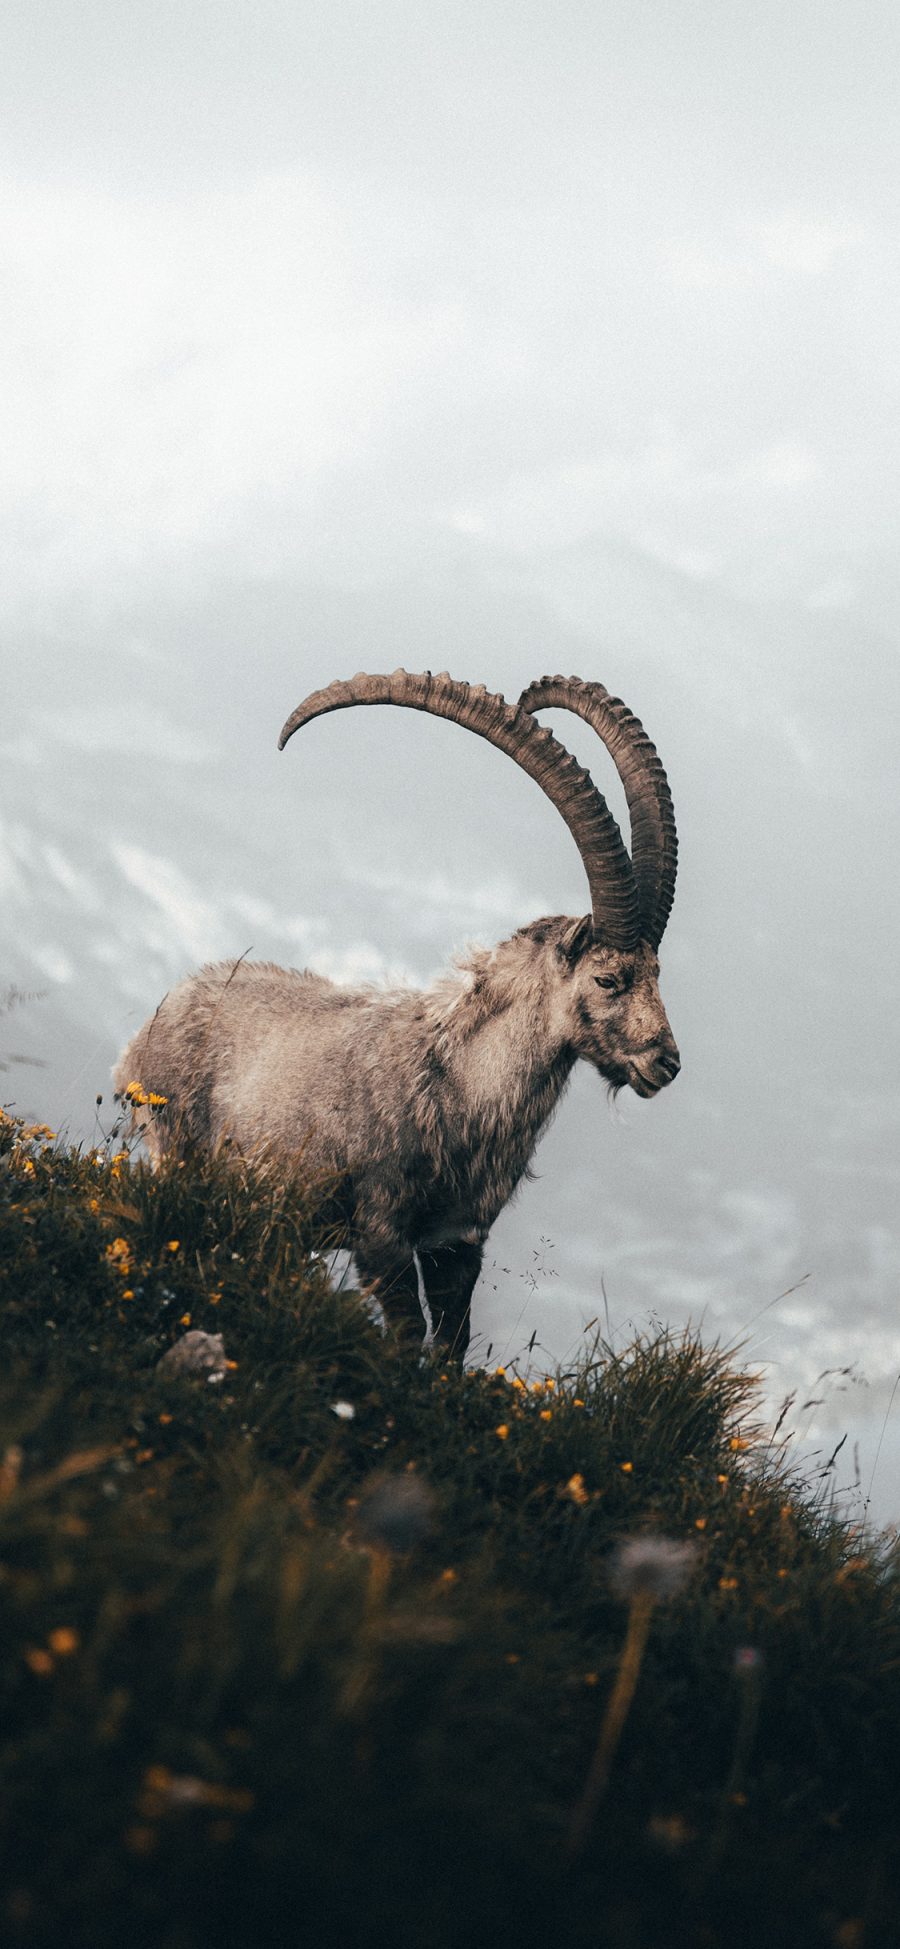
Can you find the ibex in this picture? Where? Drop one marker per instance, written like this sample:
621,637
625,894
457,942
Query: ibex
425,1106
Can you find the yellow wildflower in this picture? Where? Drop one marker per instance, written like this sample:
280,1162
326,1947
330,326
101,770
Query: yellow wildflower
546,1414
141,1839
64,1641
173,1245
627,1468
502,1431
39,1662
576,1489
119,1256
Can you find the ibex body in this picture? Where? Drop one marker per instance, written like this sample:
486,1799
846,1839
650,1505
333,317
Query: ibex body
423,1108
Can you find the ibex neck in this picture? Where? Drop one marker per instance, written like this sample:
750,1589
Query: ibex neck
501,1044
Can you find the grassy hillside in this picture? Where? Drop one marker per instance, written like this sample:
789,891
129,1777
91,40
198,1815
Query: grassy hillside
337,1645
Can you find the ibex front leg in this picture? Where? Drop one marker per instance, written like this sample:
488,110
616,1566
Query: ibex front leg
450,1273
387,1265
394,1283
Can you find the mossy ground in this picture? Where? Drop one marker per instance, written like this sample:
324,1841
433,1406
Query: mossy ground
242,1704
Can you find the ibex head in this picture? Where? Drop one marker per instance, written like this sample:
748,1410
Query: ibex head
610,1001
605,966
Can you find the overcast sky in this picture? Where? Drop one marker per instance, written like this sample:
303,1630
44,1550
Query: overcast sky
278,279
505,337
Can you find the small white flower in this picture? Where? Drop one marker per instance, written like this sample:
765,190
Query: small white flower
344,1410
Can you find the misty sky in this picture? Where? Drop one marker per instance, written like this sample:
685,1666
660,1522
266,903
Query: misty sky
279,280
506,338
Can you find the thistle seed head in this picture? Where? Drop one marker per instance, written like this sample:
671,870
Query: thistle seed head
651,1566
395,1513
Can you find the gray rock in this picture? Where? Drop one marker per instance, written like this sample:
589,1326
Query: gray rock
196,1353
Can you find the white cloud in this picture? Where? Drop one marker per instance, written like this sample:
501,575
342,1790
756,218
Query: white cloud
16,858
498,901
756,254
806,246
170,365
693,266
835,593
786,464
359,962
183,925
190,922
76,884
54,963
279,370
636,488
138,729
699,564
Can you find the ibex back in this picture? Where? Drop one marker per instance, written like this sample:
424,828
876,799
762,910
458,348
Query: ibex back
423,1107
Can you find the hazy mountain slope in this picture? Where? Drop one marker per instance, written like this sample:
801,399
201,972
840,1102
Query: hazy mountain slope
148,823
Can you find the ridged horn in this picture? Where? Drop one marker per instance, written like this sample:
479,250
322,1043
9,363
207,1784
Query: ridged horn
614,899
654,841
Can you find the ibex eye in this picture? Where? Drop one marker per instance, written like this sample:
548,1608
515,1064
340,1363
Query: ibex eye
607,981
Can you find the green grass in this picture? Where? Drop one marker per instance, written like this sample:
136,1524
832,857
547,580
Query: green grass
240,1707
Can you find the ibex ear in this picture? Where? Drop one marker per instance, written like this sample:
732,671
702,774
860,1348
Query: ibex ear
574,940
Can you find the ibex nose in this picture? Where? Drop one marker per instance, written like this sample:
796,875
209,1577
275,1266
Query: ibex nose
657,1065
669,1060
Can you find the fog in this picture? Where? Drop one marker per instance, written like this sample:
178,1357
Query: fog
507,340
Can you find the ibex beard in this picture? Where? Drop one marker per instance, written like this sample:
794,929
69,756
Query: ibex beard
422,1108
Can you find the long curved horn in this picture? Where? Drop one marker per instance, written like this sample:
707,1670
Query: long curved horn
614,899
654,841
